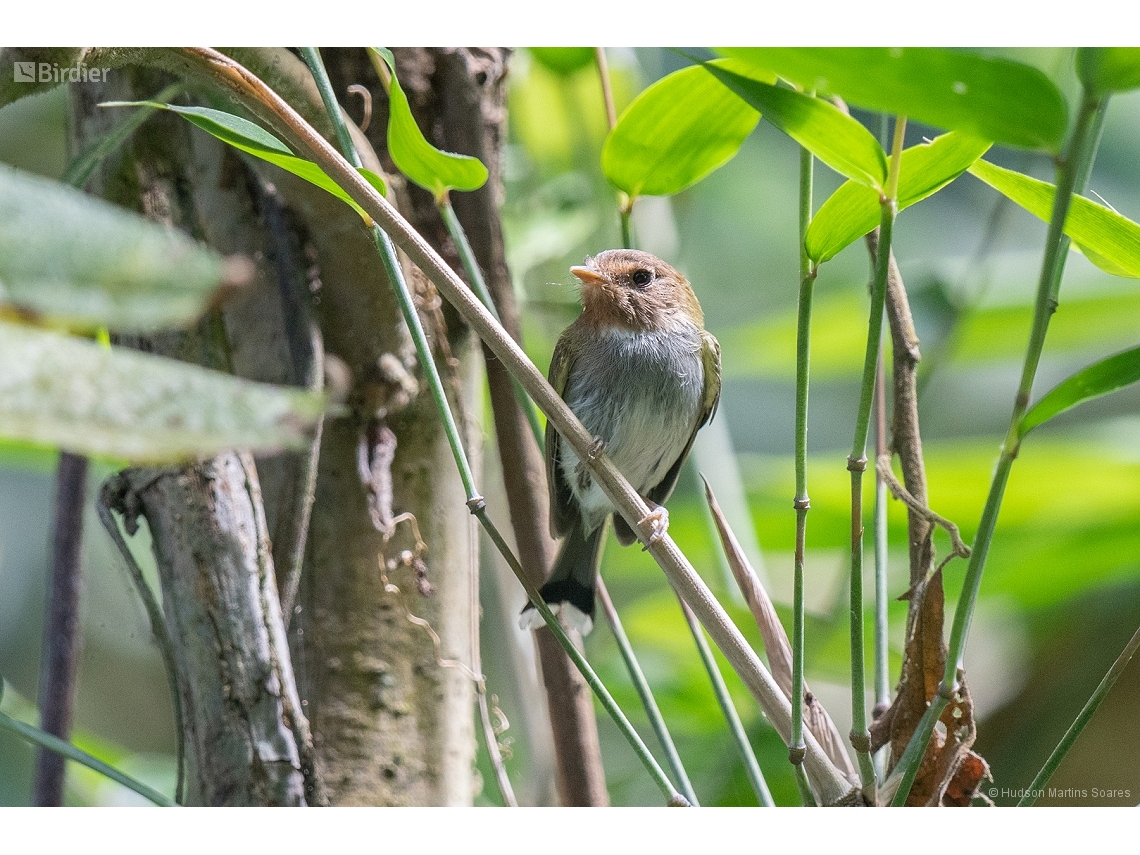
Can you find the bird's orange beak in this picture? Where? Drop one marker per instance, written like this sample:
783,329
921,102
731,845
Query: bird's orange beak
588,276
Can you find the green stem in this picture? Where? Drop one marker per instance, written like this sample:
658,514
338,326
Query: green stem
857,464
882,669
802,502
652,711
66,749
1082,719
479,286
474,501
1072,175
728,709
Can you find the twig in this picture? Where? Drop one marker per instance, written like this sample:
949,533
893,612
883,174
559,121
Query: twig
957,545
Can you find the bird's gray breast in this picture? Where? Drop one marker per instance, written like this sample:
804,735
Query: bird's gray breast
641,393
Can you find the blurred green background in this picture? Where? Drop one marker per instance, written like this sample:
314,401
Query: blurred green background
1061,594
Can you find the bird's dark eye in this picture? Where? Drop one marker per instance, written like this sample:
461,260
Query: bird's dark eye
642,277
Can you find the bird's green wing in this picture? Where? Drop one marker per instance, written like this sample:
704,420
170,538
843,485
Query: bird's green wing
562,513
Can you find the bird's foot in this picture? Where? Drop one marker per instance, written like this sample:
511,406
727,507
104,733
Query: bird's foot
659,519
596,448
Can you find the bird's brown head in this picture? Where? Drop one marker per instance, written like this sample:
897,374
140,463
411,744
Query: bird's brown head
634,290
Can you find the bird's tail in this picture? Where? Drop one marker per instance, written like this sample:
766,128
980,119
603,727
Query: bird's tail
572,581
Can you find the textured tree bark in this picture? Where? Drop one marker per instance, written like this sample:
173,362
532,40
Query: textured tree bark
244,730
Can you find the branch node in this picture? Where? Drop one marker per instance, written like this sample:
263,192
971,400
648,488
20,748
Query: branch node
802,504
856,464
796,755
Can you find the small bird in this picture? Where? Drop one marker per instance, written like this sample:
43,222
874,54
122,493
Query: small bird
642,374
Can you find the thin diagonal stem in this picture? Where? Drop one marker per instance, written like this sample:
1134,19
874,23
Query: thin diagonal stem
728,709
479,286
652,711
1082,719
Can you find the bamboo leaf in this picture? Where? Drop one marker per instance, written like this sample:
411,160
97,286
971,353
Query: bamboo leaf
1096,380
75,394
1109,69
1108,240
676,132
990,98
563,61
854,209
424,164
832,136
69,258
254,140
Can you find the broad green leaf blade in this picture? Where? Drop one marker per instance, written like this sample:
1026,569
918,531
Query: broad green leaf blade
1108,240
1109,69
563,61
73,393
854,209
835,138
989,98
245,136
1096,380
675,133
73,259
424,164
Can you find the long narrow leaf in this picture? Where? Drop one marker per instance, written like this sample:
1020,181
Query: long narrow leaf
831,135
1108,240
424,164
991,98
81,396
245,136
675,133
69,258
854,209
1100,378
71,752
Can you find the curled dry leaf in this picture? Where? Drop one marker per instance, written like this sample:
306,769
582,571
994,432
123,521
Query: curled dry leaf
950,772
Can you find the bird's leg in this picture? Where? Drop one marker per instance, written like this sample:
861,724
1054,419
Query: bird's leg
596,448
659,519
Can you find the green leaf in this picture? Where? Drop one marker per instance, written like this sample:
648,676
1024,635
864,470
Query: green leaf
424,164
1109,69
835,138
675,133
73,259
989,98
563,61
1108,240
854,209
81,167
245,136
80,396
1096,380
